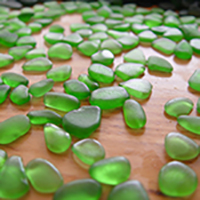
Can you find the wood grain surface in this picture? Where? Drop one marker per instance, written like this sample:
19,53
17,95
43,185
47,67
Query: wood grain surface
144,148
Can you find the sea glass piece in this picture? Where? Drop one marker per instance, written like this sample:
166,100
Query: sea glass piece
56,28
83,6
85,33
92,85
38,8
25,31
183,50
111,171
40,88
61,101
195,44
109,97
171,21
43,175
110,23
122,27
189,31
147,36
26,14
128,42
117,16
3,157
139,88
60,51
173,34
194,80
95,20
88,151
76,88
177,179
56,139
155,63
82,122
138,28
198,105
190,123
74,39
127,71
135,56
178,106
78,26
153,20
104,57
13,128
19,52
134,114
104,11
40,117
99,36
18,183
35,53
164,45
170,13
26,40
44,21
13,79
180,147
7,38
117,34
80,189
53,38
112,45
5,60
187,19
136,19
160,30
143,11
128,190
20,95
99,28
14,24
88,48
40,64
4,91
101,73
88,14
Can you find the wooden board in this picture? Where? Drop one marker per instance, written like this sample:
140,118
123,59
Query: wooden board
144,148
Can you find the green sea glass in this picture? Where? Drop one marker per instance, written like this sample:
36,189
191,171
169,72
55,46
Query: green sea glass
173,34
25,31
128,42
44,21
178,106
117,34
122,27
187,19
147,36
194,80
74,39
160,30
111,171
3,157
56,139
5,60
82,122
88,48
43,175
95,20
88,14
177,180
198,105
180,147
61,101
139,88
4,92
35,53
38,8
143,11
171,21
14,24
138,28
26,14
92,85
13,128
85,33
99,36
26,40
153,20
195,44
135,56
110,23
99,28
56,28
104,57
112,45
104,11
189,31
109,97
53,38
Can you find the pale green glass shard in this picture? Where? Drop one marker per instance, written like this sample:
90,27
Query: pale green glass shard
53,38
147,36
92,85
194,80
195,44
99,36
117,34
26,40
104,11
44,21
88,14
173,34
153,20
95,20
35,53
143,11
25,31
122,27
85,33
5,60
99,28
88,48
35,27
4,92
187,19
74,39
136,19
56,28
78,26
189,31
3,157
160,30
110,23
138,28
38,8
112,45
128,42
135,56
104,57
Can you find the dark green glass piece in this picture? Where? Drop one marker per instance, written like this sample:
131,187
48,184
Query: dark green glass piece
5,60
135,56
40,117
180,147
53,38
82,122
18,183
109,97
13,79
35,27
3,157
195,44
85,189
92,85
13,128
35,53
26,14
4,91
61,101
104,57
88,48
111,171
194,80
77,89
177,180
128,42
26,40
173,34
112,45
74,39
43,175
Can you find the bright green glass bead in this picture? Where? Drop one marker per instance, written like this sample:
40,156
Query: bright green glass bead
26,14
190,123
112,45
85,189
13,128
195,44
189,31
26,40
135,56
128,190
18,183
183,50
60,51
155,63
82,122
153,20
56,28
122,27
111,171
101,73
109,97
35,53
38,65
13,79
117,34
99,36
173,34
25,31
178,106
99,28
5,60
19,52
164,45
180,147
85,33
88,48
147,36
134,114
127,71
61,101
74,39
194,80
138,28
171,21
43,175
35,27
76,88
92,85
177,180
128,42
40,117
40,88
104,57
53,38
187,19
88,151
44,21
160,30
4,91
78,26
56,139
104,11
139,88
3,157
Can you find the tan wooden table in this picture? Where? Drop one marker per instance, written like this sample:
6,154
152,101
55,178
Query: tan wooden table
144,148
